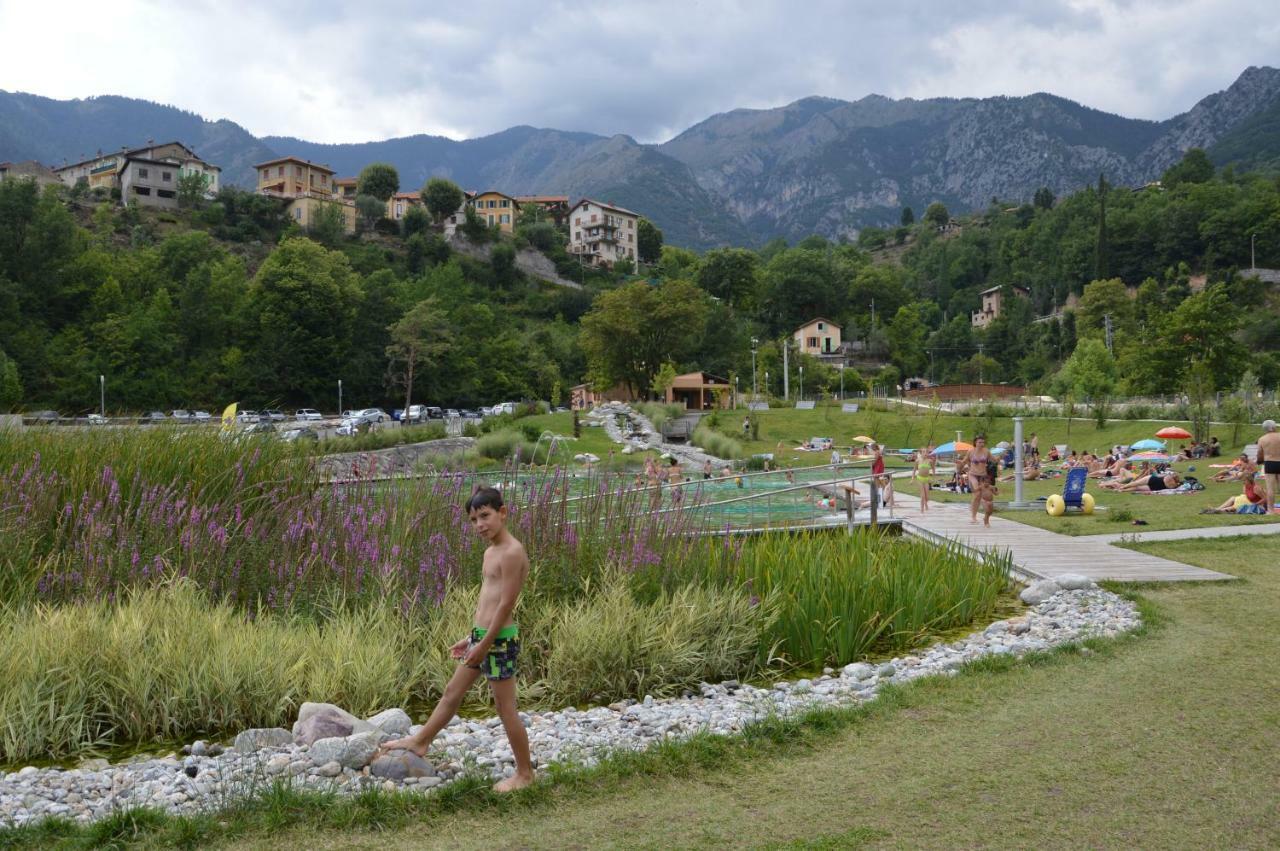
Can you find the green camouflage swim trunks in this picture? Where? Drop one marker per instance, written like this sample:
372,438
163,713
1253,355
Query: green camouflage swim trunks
500,663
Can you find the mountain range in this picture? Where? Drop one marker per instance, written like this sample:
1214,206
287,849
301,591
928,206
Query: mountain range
819,165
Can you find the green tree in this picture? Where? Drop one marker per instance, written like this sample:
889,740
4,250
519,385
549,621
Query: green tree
328,225
797,285
1194,167
370,210
381,180
663,379
907,340
503,261
442,197
908,217
730,274
648,241
301,304
1043,199
192,186
631,331
936,214
1101,299
1091,373
418,341
1101,248
416,221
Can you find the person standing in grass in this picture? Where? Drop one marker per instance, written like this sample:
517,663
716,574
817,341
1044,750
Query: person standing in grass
494,643
922,477
1269,461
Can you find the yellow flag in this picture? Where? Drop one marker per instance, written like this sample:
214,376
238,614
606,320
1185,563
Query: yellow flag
229,417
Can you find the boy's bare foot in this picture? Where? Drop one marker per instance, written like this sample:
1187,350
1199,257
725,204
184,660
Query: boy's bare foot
514,782
408,743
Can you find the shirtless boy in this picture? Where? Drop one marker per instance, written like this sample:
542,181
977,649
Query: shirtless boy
493,645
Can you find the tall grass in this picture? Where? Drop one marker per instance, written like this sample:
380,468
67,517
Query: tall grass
717,443
166,663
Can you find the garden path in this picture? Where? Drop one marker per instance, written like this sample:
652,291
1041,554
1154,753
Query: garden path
1045,554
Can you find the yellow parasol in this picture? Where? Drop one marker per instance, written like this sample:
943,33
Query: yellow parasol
862,438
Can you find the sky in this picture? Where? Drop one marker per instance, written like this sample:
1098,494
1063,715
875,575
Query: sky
329,71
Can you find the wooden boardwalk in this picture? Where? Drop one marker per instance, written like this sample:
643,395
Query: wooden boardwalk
1044,554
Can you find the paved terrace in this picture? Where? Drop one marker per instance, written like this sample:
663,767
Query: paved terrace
1047,554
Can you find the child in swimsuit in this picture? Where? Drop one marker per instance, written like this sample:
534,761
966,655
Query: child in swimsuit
922,478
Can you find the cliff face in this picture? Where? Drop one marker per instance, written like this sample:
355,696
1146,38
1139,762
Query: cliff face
818,165
831,167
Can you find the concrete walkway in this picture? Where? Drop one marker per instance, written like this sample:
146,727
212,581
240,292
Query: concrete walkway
1187,534
1043,554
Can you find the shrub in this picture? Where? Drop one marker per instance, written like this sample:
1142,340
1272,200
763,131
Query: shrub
499,445
659,413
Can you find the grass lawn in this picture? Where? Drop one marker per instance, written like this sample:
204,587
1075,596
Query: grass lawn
593,439
1165,740
1160,512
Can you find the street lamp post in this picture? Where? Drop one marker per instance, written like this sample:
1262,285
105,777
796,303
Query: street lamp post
801,397
102,396
736,394
766,382
1253,258
841,382
755,391
339,397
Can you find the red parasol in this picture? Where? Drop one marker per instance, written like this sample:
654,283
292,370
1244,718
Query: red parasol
1174,433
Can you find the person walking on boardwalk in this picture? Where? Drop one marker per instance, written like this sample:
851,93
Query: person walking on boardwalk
921,474
976,464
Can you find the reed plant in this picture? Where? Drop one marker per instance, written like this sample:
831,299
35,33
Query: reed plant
659,413
840,597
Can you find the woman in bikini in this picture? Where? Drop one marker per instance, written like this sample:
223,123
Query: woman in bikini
976,464
922,477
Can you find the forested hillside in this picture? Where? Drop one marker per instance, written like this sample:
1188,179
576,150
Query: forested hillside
231,302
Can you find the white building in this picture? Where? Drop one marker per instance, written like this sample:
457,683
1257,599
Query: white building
130,171
604,235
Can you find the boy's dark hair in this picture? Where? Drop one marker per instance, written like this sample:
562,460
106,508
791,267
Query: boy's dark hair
484,497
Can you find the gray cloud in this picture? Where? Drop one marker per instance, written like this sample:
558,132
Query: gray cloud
332,71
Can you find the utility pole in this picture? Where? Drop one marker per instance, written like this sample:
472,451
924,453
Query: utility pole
801,396
842,382
786,369
1253,258
102,390
1106,320
980,366
339,397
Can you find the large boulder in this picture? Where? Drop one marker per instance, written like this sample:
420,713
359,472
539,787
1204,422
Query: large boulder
248,741
326,721
858,671
394,721
1038,592
400,765
349,752
1074,582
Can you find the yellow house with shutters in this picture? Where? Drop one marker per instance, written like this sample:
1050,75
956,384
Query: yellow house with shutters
307,187
495,208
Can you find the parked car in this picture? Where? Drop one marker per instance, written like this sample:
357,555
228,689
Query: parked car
450,413
299,433
180,416
201,416
397,414
153,417
275,415
434,413
352,426
97,419
372,415
307,415
247,416
416,413
261,427
43,418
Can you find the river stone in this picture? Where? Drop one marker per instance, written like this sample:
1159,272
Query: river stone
886,670
330,769
248,741
323,721
400,765
1073,582
1038,592
349,751
394,721
858,671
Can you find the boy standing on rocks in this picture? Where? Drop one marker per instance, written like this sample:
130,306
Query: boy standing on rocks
494,643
